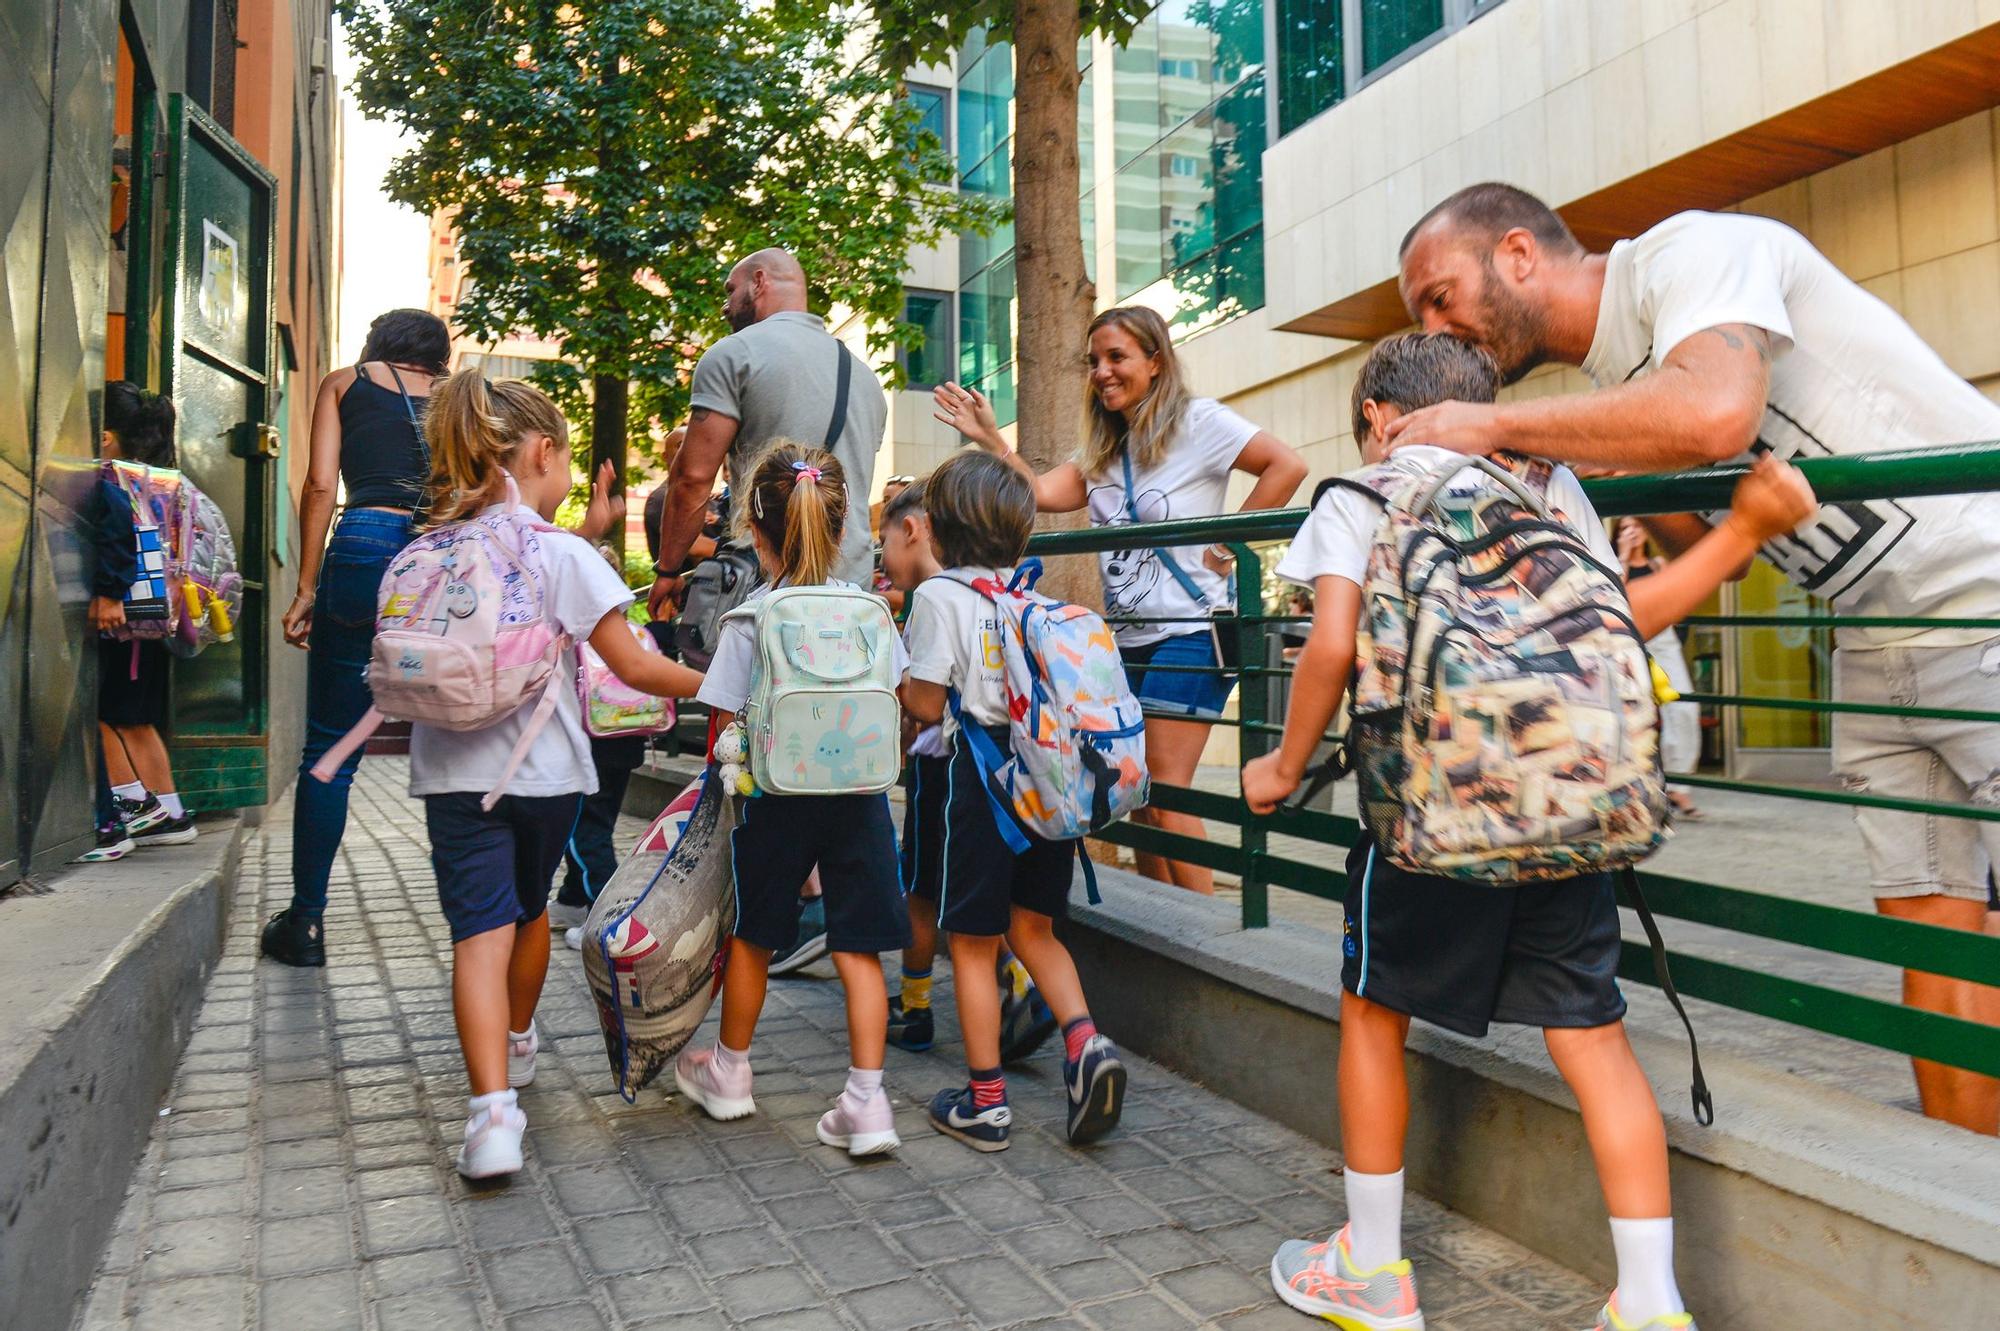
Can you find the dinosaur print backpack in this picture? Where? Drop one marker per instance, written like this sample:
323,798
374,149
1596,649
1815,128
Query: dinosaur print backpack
1078,759
822,718
1505,729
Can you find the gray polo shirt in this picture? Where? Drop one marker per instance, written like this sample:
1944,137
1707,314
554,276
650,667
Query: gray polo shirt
776,379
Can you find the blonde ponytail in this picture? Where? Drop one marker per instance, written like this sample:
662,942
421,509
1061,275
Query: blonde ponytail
473,426
798,501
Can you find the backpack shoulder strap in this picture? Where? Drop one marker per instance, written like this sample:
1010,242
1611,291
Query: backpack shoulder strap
842,378
986,756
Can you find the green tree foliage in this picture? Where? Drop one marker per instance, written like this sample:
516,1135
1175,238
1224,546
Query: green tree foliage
606,161
910,31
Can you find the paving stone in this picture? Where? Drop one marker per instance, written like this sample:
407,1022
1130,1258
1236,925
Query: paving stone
404,1224
761,1293
1215,1289
210,1303
190,1203
201,1246
597,1189
1139,1312
326,1302
903,1306
719,1255
531,1277
444,1310
848,1259
617,1243
410,1272
651,1295
995,1291
570,1317
289,1192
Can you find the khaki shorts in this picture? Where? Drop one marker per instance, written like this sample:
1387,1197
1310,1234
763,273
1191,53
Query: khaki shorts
1912,854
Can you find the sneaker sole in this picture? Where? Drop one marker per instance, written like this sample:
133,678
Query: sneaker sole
976,1143
146,824
805,956
516,1080
1346,1320
1103,1104
861,1143
180,838
720,1109
110,853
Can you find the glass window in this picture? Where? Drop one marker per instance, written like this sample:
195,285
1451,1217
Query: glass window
1178,61
1199,187
1391,27
985,105
927,359
931,111
986,322
1312,71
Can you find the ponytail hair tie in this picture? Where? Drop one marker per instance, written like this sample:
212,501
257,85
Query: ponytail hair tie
806,473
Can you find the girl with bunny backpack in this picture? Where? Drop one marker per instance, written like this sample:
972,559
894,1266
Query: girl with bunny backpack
802,687
477,629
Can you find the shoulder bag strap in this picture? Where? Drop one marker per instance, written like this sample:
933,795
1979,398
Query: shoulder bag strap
1704,1103
410,410
842,377
1180,575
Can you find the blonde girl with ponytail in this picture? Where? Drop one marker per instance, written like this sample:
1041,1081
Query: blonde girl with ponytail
493,445
795,508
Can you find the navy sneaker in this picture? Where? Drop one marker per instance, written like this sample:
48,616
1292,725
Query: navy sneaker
810,943
1096,1085
954,1114
1025,1023
913,1031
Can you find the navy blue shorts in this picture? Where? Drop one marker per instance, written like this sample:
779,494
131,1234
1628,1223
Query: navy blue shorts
1461,954
1198,696
983,879
853,841
923,827
494,869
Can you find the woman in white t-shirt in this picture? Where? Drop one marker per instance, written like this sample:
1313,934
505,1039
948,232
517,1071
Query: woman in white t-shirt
1154,452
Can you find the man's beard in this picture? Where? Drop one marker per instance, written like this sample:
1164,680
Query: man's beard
1515,330
739,319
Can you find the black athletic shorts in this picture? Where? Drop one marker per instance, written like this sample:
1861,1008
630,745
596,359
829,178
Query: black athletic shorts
923,827
1461,954
852,840
983,878
132,682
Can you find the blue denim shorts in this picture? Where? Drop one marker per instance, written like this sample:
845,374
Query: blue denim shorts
1200,696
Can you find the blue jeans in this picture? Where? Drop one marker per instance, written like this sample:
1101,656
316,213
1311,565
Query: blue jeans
343,632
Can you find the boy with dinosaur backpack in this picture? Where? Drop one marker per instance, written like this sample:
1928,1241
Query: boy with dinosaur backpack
1483,894
1010,828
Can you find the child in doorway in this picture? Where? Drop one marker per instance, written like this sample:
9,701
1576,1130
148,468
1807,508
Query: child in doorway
796,503
1462,954
1025,1020
144,809
981,513
494,866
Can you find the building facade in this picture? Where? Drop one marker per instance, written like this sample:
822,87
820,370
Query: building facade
1249,169
172,166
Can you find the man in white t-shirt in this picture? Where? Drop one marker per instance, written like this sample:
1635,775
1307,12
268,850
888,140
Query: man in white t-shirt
1713,337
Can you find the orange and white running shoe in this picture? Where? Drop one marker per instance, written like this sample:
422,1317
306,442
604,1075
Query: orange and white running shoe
1609,1320
1320,1278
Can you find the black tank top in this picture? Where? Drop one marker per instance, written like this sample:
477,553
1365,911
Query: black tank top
384,462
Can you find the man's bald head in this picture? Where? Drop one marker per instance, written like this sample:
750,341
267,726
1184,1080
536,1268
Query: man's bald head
761,285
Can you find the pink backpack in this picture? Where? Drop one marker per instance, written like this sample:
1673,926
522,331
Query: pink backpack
612,708
463,637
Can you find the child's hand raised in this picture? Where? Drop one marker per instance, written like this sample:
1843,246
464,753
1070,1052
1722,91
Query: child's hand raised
1772,500
1265,785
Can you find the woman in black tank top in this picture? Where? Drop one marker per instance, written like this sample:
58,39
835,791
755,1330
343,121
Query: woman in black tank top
367,439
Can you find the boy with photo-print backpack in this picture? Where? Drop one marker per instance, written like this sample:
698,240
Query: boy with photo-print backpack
1506,735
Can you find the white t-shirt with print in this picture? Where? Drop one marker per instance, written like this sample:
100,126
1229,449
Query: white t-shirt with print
1339,532
731,672
1191,480
581,590
954,637
1848,376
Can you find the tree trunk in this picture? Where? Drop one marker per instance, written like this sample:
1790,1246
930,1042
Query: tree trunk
1055,295
609,398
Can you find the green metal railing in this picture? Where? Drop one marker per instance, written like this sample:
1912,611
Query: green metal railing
1893,942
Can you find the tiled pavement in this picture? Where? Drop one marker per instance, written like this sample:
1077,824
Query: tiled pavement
299,1177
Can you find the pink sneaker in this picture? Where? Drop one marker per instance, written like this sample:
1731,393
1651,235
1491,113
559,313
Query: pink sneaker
493,1139
1319,1278
868,1128
721,1095
521,1052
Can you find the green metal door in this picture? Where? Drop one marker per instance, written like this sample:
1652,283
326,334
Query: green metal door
217,369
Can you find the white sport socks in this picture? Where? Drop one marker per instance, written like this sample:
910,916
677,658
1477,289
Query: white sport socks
728,1060
171,802
479,1104
1646,1286
862,1083
1374,1219
131,790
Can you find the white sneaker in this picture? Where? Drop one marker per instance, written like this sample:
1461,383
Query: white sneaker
521,1057
573,938
493,1139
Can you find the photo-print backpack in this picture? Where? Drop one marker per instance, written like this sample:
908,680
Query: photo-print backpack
189,591
463,637
612,708
822,717
1077,752
1505,728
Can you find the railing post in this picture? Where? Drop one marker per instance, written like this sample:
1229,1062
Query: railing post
1252,708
